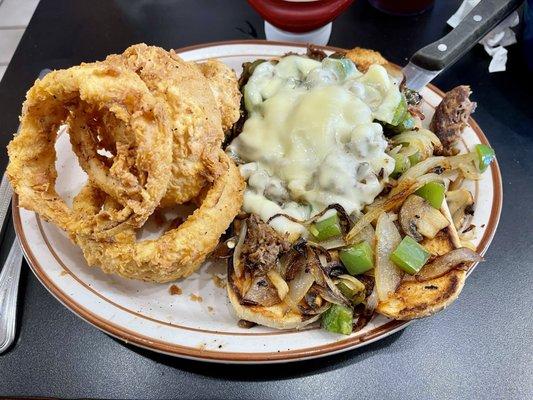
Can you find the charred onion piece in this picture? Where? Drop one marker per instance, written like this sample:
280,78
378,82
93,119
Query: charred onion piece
364,317
387,274
313,303
345,219
441,265
294,264
331,297
335,269
334,294
238,265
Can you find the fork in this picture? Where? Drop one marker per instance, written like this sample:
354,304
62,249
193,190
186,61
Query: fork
9,277
9,282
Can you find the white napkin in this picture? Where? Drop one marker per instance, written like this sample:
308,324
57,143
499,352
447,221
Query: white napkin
496,40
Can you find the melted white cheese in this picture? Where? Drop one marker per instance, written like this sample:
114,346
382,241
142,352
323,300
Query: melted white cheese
310,140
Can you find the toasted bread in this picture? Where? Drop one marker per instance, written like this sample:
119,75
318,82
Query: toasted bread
439,245
278,316
421,299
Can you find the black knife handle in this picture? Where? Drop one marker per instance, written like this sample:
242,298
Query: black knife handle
483,17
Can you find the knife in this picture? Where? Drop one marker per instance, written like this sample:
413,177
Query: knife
431,60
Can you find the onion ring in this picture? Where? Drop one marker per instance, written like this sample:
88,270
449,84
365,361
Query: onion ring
194,114
225,87
178,252
110,92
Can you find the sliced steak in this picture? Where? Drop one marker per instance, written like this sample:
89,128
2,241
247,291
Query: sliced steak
262,246
451,116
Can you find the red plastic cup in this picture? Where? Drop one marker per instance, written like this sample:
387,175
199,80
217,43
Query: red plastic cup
299,16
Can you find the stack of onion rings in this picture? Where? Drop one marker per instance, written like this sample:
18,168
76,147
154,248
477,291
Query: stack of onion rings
195,118
147,128
49,104
178,252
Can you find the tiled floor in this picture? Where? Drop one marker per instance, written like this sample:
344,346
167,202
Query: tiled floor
14,17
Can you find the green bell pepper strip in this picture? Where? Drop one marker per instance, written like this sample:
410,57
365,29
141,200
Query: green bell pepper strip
326,229
401,164
338,319
407,124
485,156
433,193
414,158
400,113
358,258
409,256
355,296
402,119
346,291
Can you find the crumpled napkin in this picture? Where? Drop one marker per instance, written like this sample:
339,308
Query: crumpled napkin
496,40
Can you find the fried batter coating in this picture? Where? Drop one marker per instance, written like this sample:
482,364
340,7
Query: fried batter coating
114,93
225,87
178,252
364,58
195,118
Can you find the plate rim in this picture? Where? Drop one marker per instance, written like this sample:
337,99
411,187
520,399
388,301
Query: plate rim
145,342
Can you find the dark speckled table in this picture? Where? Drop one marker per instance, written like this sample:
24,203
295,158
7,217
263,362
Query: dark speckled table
480,348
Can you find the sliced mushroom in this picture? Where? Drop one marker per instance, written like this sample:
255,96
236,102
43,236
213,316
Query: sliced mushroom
460,203
262,292
418,218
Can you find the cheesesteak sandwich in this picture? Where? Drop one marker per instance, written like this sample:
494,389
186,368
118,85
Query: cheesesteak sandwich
354,201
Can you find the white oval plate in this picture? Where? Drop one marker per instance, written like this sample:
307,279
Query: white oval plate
147,315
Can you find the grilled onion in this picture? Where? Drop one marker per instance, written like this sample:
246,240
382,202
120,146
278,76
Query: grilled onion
387,275
441,265
238,265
